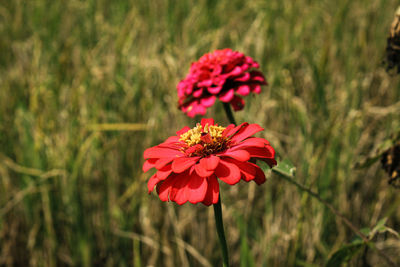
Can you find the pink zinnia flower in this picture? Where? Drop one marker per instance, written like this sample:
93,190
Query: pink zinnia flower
189,165
223,74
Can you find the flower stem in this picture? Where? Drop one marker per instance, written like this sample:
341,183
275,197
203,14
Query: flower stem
229,113
220,230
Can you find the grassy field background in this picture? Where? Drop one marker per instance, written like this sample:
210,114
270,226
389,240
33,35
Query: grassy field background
72,192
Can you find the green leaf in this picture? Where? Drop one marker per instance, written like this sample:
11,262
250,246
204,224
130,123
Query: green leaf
286,168
345,253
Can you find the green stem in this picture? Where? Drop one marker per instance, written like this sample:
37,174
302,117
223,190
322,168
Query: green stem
229,113
220,230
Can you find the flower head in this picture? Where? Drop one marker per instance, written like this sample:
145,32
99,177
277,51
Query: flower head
223,74
189,165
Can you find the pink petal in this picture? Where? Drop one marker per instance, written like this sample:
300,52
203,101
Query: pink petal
209,163
246,131
228,172
198,92
214,90
226,96
244,78
208,101
256,89
243,90
183,163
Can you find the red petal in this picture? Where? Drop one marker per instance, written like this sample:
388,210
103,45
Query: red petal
161,152
196,189
201,171
261,152
212,193
209,163
152,182
163,173
148,164
228,130
178,191
251,142
228,172
241,155
164,188
260,176
172,139
246,131
207,121
246,168
183,163
182,131
234,130
162,162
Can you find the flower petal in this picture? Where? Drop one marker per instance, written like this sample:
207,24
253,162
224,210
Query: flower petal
152,182
246,168
251,142
164,188
207,121
228,172
182,131
208,101
212,193
241,155
260,175
201,171
246,131
162,162
183,163
148,164
215,90
243,90
261,152
164,172
161,152
209,163
196,189
178,191
227,95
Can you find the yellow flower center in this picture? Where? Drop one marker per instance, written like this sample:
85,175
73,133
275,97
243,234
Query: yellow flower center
193,136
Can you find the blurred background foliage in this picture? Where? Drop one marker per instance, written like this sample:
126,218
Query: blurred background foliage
72,192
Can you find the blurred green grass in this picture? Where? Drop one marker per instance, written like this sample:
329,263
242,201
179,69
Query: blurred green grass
74,194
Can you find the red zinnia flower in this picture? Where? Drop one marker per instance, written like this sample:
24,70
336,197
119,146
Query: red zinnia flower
190,163
223,74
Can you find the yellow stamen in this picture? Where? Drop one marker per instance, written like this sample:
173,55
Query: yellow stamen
193,136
